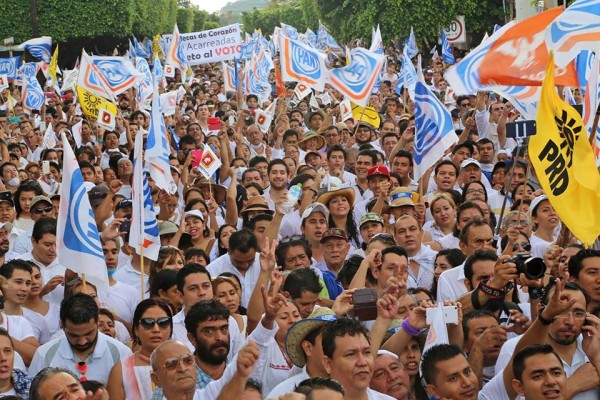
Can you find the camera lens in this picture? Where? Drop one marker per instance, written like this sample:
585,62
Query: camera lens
534,268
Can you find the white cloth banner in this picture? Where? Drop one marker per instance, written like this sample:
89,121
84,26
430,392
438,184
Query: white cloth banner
220,44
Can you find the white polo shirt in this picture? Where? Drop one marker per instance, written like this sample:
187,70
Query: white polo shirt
451,284
49,272
132,277
248,280
58,353
121,299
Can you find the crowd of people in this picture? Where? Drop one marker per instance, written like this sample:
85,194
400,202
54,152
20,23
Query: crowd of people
255,295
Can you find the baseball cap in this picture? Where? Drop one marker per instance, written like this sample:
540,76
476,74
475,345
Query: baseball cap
97,194
469,161
6,225
38,199
315,207
167,228
536,202
370,217
378,170
7,197
123,203
334,233
194,213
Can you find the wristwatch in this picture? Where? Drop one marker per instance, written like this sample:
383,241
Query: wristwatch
543,320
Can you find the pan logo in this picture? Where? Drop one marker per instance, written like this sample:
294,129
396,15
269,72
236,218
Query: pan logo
305,62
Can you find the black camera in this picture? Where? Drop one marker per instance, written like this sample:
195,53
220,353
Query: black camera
532,267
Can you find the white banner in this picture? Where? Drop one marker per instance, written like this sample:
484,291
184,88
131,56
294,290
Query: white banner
210,46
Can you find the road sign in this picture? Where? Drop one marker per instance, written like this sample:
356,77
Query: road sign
456,32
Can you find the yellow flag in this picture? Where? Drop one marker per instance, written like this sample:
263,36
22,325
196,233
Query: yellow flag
53,66
367,114
565,164
156,49
91,104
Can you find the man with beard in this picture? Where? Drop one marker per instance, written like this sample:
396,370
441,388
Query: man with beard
5,229
278,178
83,350
389,376
562,318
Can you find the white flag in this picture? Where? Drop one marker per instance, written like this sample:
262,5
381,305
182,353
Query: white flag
345,109
438,332
76,130
78,241
301,91
168,102
209,163
49,138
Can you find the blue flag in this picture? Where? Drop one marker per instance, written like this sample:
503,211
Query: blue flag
410,45
447,54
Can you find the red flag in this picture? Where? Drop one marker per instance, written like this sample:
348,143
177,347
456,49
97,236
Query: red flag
520,55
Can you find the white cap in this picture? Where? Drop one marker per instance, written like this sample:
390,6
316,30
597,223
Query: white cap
469,161
536,202
315,207
7,225
194,213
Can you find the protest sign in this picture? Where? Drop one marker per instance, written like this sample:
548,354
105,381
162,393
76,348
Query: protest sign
210,46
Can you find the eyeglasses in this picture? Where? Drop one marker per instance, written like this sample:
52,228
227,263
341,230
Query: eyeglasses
162,322
382,236
172,363
576,314
465,105
477,191
512,223
524,245
39,210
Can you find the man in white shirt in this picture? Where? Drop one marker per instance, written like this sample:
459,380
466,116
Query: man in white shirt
43,254
83,349
408,234
447,373
242,260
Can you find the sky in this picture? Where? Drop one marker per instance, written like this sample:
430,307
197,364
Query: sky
211,5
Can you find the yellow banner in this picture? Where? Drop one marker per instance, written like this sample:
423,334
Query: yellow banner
565,164
53,66
367,114
91,104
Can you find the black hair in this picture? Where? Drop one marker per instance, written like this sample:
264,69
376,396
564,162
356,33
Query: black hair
26,186
189,269
479,255
569,285
163,280
405,154
42,377
243,241
253,384
142,307
302,178
277,161
7,269
307,386
338,328
44,225
338,148
222,250
454,256
436,354
302,280
205,310
471,224
445,162
79,308
466,188
398,250
258,218
474,315
349,269
518,364
368,153
282,249
576,261
257,160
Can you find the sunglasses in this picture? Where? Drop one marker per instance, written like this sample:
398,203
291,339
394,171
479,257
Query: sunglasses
291,238
524,245
172,363
38,210
162,322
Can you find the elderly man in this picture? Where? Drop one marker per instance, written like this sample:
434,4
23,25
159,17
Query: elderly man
173,370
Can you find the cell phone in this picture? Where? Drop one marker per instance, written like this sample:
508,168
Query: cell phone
35,112
365,304
125,226
46,167
197,157
450,315
14,120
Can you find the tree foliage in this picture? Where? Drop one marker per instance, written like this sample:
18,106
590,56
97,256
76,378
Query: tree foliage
271,16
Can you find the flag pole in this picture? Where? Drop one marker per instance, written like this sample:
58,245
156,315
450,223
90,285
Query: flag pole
592,137
142,269
510,181
83,283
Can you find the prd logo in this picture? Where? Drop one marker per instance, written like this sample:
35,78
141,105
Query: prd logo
305,62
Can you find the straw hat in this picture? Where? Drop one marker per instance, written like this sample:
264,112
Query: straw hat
310,114
298,332
347,192
403,196
310,135
256,203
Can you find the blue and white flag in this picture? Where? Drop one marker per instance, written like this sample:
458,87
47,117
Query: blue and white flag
10,66
176,56
27,72
496,27
143,236
410,45
118,74
157,148
40,48
132,52
356,80
78,241
144,87
290,31
447,54
33,96
312,37
574,30
140,50
302,63
326,42
408,75
376,41
90,79
434,131
583,65
157,70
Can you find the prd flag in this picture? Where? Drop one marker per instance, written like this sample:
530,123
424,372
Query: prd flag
77,238
356,81
565,164
264,118
438,331
144,226
519,56
3,81
91,104
575,30
346,109
106,119
209,162
52,69
303,64
366,114
301,91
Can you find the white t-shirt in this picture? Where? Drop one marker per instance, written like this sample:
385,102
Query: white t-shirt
121,299
38,324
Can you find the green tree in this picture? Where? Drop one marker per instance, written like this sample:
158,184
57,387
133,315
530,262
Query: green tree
185,19
200,17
